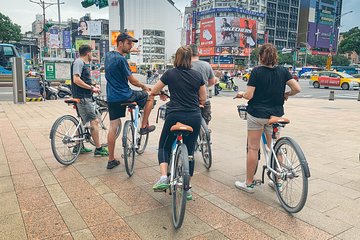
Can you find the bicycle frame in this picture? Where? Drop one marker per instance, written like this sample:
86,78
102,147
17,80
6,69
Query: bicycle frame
174,148
134,112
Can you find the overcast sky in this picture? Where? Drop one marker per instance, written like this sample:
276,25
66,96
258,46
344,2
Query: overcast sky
23,12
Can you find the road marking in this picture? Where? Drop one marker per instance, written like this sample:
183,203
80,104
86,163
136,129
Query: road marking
6,93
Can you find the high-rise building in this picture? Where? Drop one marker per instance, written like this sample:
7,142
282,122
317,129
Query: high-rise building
319,25
282,18
157,25
226,31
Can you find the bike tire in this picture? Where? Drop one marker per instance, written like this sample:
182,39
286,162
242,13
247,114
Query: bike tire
58,136
104,125
205,145
129,147
182,181
142,140
289,149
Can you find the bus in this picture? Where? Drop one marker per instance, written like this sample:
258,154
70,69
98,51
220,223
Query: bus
7,51
348,69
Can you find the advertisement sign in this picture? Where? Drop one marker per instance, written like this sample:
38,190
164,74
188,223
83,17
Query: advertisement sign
207,32
54,38
227,31
79,42
50,71
209,51
89,28
66,39
249,33
322,36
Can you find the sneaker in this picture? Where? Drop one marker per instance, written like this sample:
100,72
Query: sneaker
243,186
147,129
278,185
161,185
82,151
189,195
112,164
103,152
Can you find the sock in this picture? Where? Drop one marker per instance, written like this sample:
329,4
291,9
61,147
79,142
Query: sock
163,177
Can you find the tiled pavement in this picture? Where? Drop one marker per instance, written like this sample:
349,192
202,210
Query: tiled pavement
41,199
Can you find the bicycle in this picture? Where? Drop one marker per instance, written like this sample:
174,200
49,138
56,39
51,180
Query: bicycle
203,144
68,133
178,169
132,140
285,162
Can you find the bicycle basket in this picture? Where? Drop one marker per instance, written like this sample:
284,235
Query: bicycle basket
242,110
101,101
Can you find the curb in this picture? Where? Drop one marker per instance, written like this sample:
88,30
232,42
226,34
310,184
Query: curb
39,99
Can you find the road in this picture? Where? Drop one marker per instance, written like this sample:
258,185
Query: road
308,91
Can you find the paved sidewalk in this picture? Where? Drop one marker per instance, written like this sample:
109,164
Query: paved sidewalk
41,199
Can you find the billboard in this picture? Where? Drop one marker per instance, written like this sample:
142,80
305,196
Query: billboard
54,38
322,36
114,35
234,35
89,28
66,39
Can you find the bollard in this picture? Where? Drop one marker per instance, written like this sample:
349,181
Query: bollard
359,96
331,96
18,74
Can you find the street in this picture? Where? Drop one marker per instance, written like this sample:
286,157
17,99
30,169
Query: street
308,91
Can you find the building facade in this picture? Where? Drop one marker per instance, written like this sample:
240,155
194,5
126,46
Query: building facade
156,23
282,18
226,31
319,25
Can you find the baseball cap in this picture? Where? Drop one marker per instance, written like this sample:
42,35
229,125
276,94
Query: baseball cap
123,36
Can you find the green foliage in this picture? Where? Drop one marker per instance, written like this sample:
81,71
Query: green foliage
351,41
340,60
285,58
9,31
254,57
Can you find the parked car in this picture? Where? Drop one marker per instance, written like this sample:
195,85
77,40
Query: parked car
356,75
334,79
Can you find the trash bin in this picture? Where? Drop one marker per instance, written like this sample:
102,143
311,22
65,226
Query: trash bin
32,85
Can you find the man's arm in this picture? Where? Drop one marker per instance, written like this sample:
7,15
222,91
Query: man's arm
79,82
137,83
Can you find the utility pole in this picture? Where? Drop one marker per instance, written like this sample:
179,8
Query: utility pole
45,5
122,17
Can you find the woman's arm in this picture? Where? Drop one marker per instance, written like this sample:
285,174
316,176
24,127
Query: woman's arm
294,88
202,95
157,88
248,94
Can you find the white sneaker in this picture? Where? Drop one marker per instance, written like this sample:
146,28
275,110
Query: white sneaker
272,185
243,186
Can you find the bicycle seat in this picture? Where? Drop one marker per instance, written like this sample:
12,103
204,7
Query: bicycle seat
281,120
181,127
129,104
72,100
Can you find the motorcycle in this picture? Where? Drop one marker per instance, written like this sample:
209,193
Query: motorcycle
64,90
51,93
229,85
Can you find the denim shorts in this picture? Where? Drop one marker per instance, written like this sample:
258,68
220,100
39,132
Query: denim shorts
254,123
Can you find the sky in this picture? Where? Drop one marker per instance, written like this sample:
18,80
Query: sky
23,12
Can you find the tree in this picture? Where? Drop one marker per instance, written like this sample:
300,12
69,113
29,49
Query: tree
254,57
9,31
340,60
351,41
285,58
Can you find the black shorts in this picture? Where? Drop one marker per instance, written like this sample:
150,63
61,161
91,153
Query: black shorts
116,110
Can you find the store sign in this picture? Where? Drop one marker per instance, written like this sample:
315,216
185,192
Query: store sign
232,10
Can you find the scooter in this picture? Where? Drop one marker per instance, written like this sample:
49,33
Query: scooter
64,90
230,85
51,93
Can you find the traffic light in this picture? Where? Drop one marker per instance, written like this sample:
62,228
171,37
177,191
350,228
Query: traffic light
47,26
87,3
102,3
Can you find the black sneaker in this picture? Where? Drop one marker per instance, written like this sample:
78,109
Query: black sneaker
112,164
147,129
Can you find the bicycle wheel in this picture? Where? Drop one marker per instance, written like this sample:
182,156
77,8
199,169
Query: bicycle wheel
180,185
104,125
205,146
66,139
129,147
141,140
292,187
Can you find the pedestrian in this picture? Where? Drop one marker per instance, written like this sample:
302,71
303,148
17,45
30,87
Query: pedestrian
83,88
118,76
208,76
266,94
187,91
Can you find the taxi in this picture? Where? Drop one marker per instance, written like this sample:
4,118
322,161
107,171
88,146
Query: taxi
328,79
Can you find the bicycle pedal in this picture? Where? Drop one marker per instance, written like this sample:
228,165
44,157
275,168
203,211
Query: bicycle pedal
257,182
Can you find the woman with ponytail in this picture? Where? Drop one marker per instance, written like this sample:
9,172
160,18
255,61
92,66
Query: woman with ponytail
266,94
